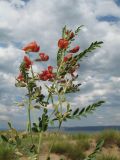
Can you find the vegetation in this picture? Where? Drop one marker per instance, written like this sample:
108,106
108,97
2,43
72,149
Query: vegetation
71,146
7,152
111,137
108,157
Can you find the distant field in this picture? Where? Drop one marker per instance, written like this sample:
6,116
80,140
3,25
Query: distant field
67,146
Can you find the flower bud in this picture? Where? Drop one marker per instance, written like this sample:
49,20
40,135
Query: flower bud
44,57
27,62
74,50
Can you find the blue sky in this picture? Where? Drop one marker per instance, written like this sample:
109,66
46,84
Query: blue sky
22,21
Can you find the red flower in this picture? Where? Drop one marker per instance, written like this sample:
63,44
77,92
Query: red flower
74,50
47,74
27,62
67,57
63,43
44,57
20,77
31,47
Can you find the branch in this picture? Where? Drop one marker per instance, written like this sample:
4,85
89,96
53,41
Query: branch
92,47
98,148
86,110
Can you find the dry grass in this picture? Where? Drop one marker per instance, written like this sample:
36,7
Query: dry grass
68,146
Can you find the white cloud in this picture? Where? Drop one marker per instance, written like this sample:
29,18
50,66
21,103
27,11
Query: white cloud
106,7
39,20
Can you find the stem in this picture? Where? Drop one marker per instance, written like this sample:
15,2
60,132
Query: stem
40,134
29,119
60,103
59,98
63,52
39,144
29,113
48,155
29,110
32,72
31,69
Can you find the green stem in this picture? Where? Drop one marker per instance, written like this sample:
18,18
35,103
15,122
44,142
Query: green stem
59,98
32,73
61,64
48,155
39,144
40,134
29,119
31,68
29,113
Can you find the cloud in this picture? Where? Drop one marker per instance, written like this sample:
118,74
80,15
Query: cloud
25,21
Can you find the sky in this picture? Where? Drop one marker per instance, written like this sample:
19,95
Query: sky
23,21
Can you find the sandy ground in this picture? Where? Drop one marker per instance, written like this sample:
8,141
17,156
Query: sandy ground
52,157
110,150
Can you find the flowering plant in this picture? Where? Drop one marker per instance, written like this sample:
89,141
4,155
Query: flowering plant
60,84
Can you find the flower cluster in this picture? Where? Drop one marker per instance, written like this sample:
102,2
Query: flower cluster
27,63
64,42
66,56
32,47
47,74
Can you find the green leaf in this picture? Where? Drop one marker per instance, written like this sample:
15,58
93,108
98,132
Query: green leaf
10,125
34,129
20,104
60,90
20,84
76,111
37,106
4,138
64,31
68,107
59,56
